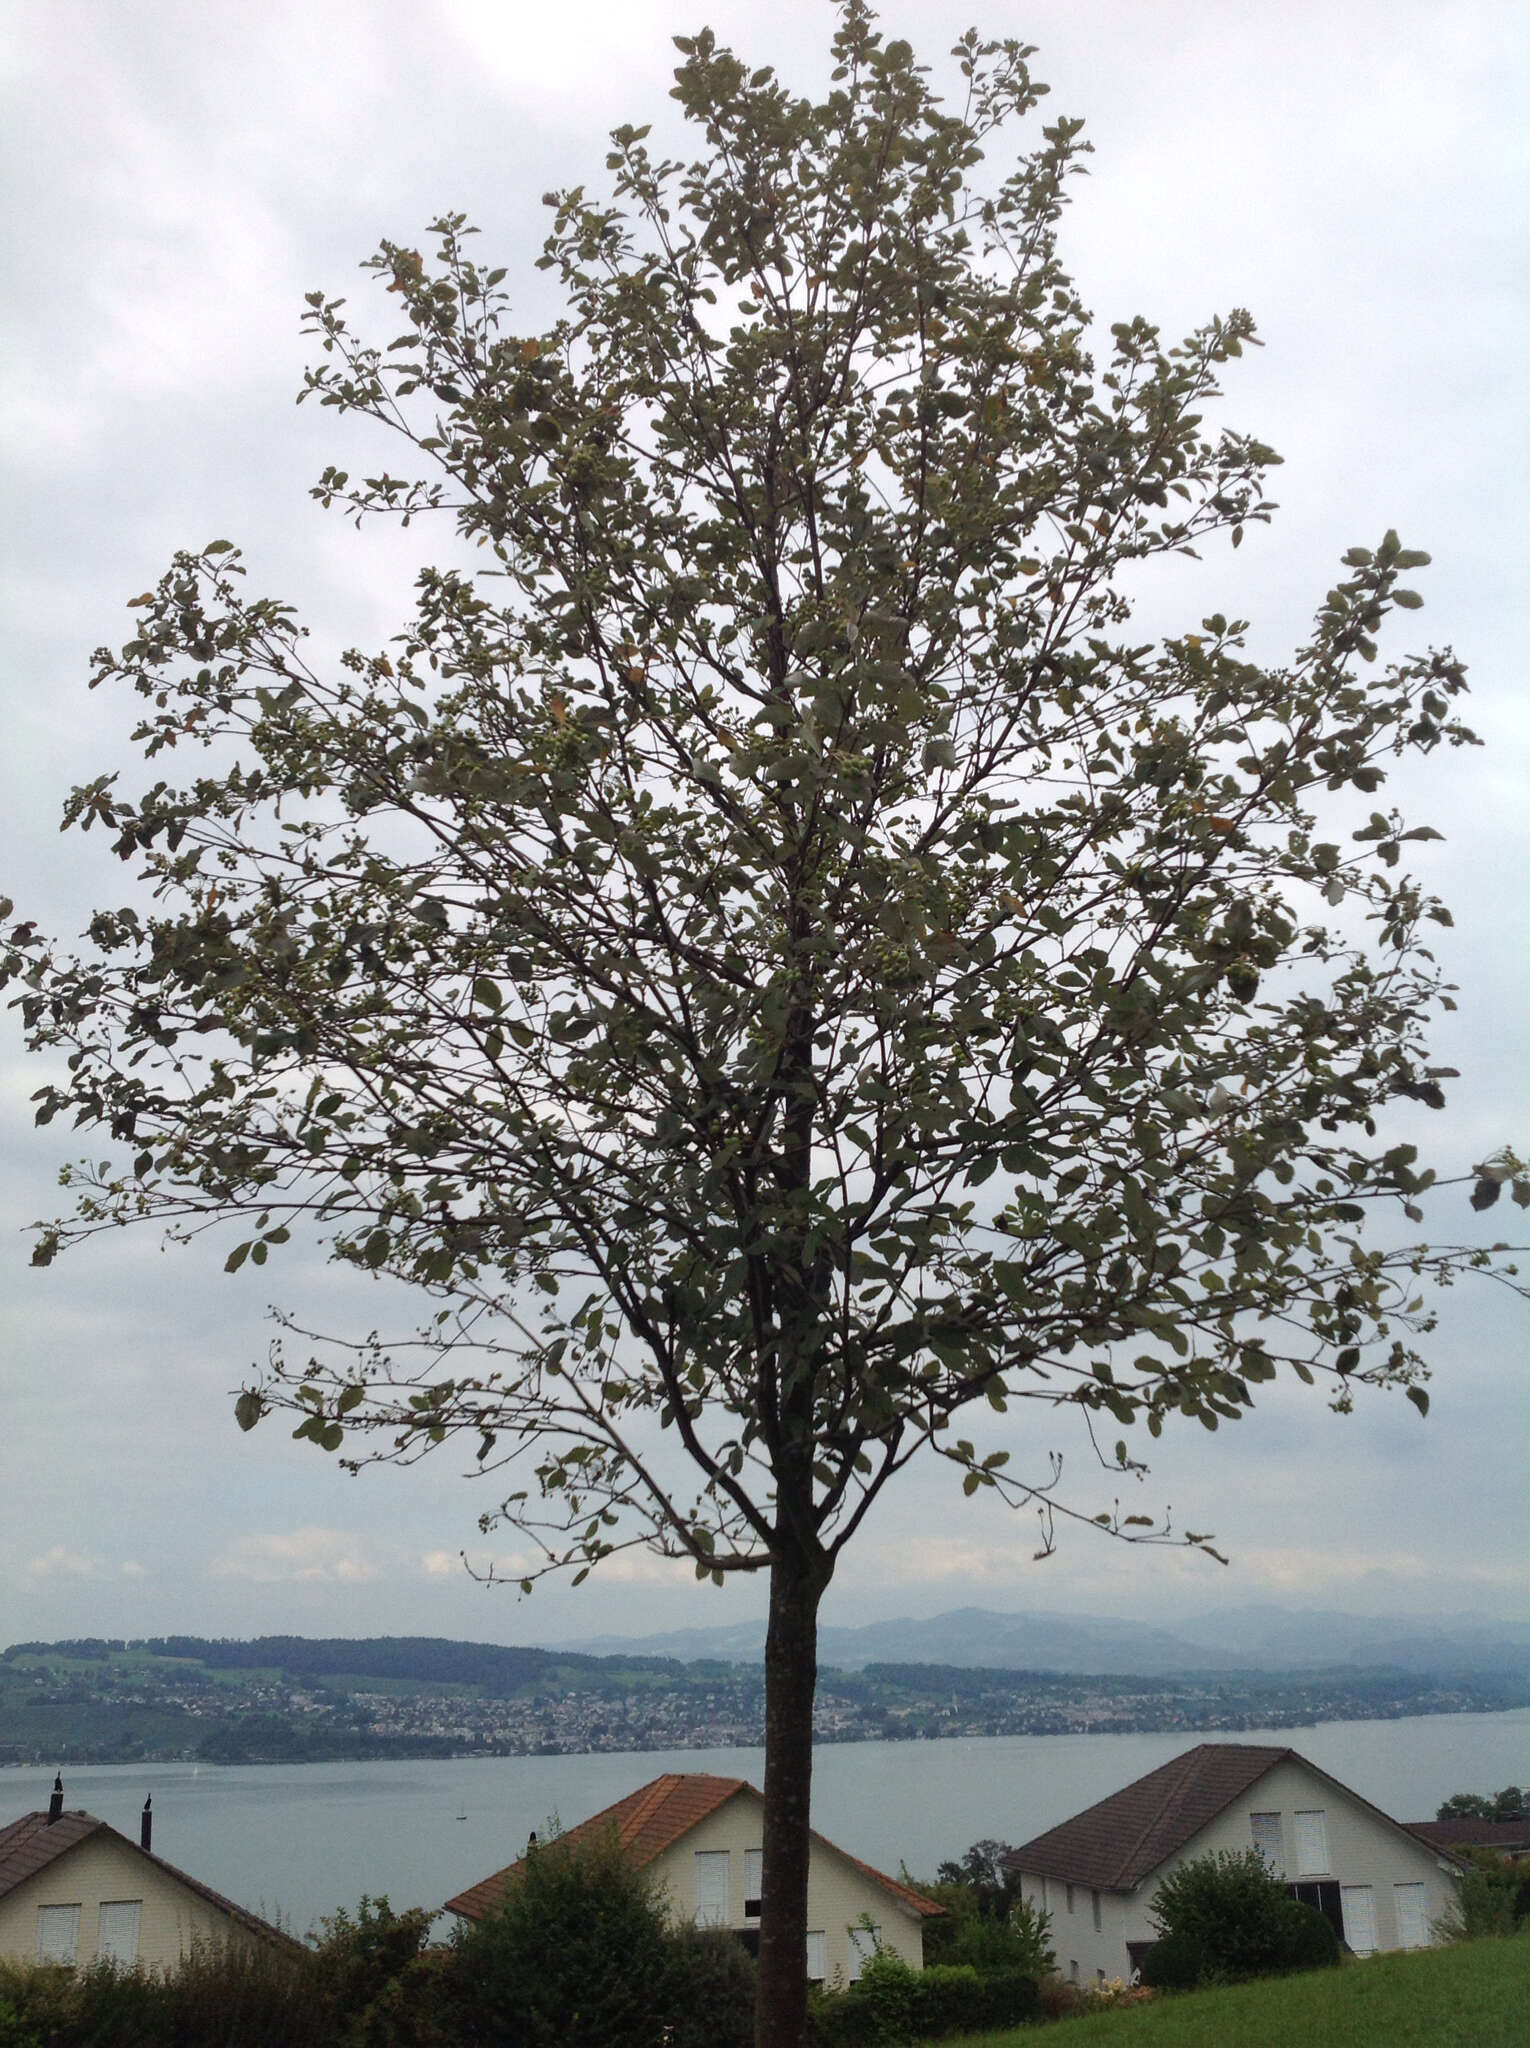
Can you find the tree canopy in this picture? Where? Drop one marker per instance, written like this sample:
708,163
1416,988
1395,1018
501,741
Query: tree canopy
766,951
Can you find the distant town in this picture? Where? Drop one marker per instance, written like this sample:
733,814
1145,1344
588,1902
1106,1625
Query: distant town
294,1699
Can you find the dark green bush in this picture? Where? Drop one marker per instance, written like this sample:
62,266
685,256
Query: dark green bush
892,2004
1239,1920
709,1994
1176,1962
958,1999
1310,1942
359,1956
217,1997
576,1956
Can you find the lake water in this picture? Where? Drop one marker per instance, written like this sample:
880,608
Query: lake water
296,1841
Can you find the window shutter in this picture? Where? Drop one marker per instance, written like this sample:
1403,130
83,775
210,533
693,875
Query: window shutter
1412,1915
1359,1904
863,1946
117,1941
713,1884
1312,1843
817,1967
58,1934
1269,1841
754,1882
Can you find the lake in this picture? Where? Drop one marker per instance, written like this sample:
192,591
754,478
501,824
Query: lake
294,1841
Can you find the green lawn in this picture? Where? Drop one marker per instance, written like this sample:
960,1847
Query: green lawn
1476,1995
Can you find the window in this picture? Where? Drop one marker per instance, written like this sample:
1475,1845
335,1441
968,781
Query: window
1073,1972
1099,1978
1043,1895
1359,1903
58,1934
1269,1841
754,1882
1094,1908
1312,1843
714,1881
1412,1915
817,1967
864,1942
117,1939
1068,1894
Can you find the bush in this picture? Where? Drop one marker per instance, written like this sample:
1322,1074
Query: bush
709,1997
357,1960
233,1996
576,1956
1311,1943
892,2004
1176,1962
1225,1916
1491,1899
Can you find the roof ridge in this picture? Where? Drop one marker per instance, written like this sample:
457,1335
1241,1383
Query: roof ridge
646,1802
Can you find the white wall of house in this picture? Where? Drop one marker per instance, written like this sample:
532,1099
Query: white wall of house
83,1902
716,1862
1393,1888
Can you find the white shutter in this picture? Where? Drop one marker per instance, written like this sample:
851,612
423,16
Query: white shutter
1269,1841
754,1882
117,1941
1312,1843
817,1965
1412,1915
1359,1906
58,1934
713,1885
863,1946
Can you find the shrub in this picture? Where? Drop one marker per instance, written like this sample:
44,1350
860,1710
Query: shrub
1310,1942
1176,1962
1239,1920
1491,1899
709,1996
577,1955
231,1996
356,1960
891,2004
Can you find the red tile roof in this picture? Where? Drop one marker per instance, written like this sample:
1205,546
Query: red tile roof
32,1843
651,1820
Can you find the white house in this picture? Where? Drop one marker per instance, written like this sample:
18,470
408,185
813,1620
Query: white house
1098,1873
73,1890
701,1836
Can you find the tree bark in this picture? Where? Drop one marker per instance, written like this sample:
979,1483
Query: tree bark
797,1584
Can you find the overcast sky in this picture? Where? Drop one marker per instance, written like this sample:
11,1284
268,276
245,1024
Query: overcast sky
179,175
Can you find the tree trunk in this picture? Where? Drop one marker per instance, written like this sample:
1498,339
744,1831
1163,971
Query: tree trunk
791,1675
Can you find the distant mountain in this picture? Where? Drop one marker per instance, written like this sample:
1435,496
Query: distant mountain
1264,1638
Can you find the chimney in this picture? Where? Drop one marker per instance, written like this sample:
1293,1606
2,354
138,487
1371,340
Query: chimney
146,1825
56,1803
531,1842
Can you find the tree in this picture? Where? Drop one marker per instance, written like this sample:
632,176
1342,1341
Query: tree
1509,1804
764,951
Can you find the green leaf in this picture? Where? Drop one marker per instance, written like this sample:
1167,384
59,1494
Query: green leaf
1419,1399
237,1257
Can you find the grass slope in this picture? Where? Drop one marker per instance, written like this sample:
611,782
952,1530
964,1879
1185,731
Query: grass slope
1476,1995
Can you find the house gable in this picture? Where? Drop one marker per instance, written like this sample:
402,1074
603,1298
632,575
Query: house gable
79,1862
701,1837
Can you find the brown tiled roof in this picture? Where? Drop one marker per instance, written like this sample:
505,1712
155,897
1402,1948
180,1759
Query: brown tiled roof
33,1842
649,1821
1509,1836
1113,1845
